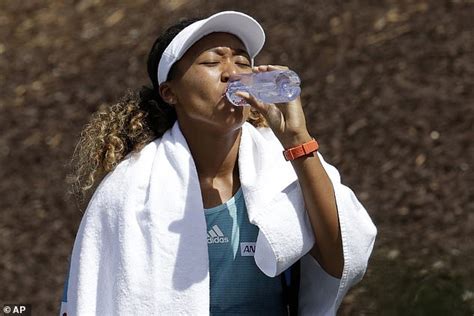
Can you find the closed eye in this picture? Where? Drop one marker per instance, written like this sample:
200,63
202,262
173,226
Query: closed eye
210,63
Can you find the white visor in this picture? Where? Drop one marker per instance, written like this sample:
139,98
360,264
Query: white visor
246,28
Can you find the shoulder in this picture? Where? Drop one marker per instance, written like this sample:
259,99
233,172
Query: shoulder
116,185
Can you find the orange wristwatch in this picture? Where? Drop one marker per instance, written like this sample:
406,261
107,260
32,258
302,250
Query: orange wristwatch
301,150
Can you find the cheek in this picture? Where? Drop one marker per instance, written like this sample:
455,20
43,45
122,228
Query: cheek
203,82
199,93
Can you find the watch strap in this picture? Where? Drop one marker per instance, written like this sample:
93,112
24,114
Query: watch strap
301,150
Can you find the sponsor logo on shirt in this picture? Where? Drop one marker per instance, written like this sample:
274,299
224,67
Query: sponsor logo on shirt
247,249
216,236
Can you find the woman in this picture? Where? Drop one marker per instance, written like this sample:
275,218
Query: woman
199,209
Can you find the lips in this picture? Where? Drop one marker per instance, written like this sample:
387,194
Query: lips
223,95
225,91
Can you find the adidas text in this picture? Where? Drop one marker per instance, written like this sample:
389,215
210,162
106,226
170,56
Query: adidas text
217,240
216,236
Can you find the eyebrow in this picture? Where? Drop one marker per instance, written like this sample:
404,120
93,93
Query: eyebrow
238,51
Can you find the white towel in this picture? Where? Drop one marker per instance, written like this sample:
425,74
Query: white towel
141,247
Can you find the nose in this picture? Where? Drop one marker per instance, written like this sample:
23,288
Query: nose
229,70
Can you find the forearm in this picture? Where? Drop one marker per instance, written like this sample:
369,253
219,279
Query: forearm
319,198
288,122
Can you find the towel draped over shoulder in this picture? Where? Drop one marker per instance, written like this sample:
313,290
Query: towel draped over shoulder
141,247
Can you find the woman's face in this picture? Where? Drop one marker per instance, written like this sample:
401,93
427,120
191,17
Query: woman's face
200,80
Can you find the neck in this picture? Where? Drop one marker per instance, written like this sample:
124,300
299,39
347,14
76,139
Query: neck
214,153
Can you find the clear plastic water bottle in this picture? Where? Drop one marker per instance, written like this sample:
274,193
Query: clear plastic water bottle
274,86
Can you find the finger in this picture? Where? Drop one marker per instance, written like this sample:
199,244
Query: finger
250,99
262,68
279,67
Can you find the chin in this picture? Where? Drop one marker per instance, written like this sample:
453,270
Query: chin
237,116
228,124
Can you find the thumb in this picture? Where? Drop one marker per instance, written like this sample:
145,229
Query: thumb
270,111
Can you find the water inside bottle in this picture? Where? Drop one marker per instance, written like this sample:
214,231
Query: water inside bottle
232,88
265,87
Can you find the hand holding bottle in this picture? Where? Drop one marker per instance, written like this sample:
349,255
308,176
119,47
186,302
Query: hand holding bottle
287,120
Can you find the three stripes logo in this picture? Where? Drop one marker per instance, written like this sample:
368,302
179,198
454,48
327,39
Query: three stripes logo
216,236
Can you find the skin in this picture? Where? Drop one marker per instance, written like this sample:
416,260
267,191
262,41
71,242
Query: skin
208,120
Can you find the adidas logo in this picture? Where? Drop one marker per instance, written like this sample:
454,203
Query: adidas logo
216,236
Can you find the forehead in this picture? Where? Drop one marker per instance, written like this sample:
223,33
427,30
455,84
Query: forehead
213,40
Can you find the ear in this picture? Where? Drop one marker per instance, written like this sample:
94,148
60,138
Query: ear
167,94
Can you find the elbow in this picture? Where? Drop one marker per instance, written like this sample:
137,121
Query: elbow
334,267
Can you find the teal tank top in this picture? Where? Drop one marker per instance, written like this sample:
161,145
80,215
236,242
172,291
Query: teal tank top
237,286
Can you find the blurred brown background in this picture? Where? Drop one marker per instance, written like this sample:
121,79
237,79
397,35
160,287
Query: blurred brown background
387,91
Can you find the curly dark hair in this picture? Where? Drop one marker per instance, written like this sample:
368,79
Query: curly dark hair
126,127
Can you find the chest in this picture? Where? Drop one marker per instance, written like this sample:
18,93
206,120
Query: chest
217,192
